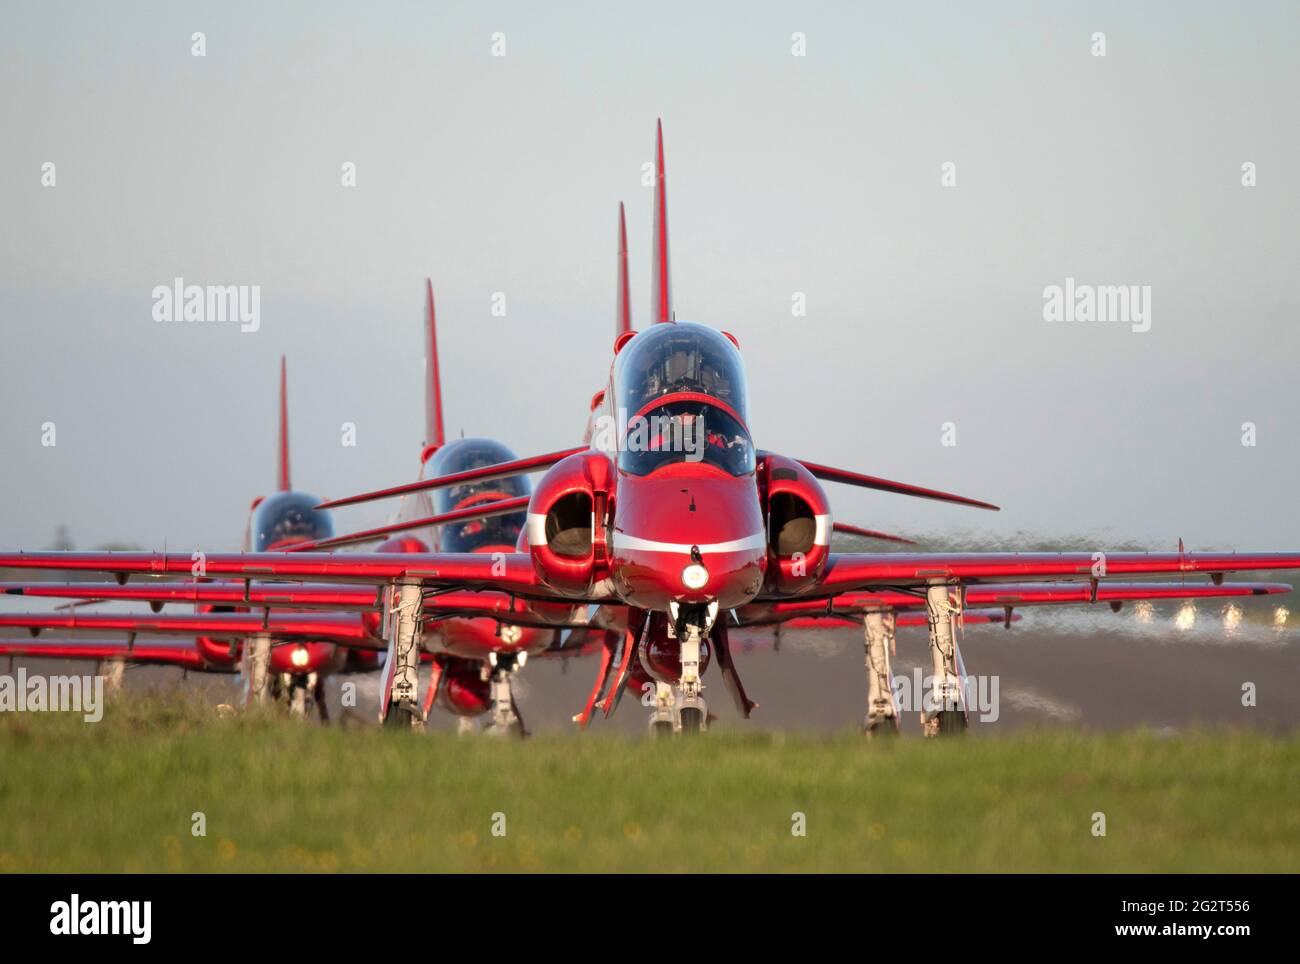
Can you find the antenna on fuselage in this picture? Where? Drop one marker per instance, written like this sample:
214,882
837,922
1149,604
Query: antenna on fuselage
661,309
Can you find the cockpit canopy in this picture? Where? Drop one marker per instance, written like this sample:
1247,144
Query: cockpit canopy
669,359
686,430
288,517
461,456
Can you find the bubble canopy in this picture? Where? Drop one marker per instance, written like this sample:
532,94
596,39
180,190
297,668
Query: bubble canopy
680,357
473,534
288,517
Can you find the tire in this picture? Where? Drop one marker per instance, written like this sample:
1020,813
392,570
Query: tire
399,717
952,722
661,729
692,719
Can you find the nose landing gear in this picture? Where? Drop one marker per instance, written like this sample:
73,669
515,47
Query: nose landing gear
505,719
679,705
692,713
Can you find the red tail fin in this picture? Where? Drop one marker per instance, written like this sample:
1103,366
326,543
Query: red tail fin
433,432
283,476
624,296
662,306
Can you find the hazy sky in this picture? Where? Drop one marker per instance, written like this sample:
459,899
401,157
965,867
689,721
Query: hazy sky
817,174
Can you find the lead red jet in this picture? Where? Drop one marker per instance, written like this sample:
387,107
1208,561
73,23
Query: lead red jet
672,517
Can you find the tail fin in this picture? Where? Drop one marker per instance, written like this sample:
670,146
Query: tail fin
283,474
662,304
624,296
434,436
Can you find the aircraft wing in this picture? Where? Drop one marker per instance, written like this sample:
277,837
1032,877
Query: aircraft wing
970,616
343,628
832,474
485,473
151,654
484,510
845,608
848,572
1040,594
501,607
505,571
260,594
852,530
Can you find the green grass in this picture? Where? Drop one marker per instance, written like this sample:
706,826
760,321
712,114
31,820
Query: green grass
118,796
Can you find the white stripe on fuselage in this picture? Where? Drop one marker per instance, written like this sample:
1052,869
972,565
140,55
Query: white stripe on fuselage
624,541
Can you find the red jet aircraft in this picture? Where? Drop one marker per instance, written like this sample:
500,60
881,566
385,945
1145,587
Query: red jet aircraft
473,646
673,521
286,654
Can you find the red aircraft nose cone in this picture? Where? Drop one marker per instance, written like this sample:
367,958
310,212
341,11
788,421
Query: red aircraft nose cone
688,538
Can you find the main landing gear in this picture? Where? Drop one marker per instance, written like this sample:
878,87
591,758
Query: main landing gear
882,713
257,669
945,710
402,709
113,671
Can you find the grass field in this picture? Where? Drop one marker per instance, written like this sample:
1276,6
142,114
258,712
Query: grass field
276,795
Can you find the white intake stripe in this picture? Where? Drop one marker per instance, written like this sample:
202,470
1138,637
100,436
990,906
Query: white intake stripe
822,536
536,529
624,541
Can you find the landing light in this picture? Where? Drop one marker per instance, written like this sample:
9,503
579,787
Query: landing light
695,576
299,657
511,634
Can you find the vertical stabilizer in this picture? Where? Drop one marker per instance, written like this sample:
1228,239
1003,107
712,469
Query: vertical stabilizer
282,477
661,280
624,294
434,436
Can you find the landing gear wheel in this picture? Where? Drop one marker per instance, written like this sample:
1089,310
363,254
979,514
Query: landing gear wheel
880,729
401,716
514,729
661,728
692,718
951,722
